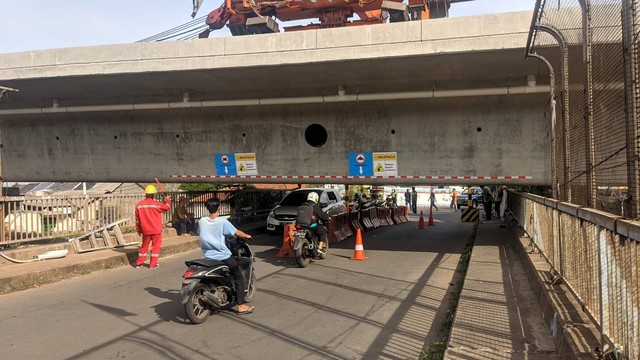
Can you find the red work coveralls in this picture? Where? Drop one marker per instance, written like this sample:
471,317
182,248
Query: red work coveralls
149,225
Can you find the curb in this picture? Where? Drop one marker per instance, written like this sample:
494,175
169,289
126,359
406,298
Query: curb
51,271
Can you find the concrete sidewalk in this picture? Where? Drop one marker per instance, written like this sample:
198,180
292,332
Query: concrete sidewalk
509,310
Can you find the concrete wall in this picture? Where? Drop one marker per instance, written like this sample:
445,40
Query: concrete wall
85,114
483,136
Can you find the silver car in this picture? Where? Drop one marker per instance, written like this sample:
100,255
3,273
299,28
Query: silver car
285,212
476,197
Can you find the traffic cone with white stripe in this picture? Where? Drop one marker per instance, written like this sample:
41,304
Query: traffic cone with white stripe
358,254
421,222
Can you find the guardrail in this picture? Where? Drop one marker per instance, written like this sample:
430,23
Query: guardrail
597,254
51,217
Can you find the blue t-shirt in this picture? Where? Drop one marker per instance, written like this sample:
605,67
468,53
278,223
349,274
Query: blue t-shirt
212,234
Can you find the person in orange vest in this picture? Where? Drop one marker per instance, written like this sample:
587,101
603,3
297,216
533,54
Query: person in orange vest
454,201
149,225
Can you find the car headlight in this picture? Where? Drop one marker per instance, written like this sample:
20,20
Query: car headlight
272,213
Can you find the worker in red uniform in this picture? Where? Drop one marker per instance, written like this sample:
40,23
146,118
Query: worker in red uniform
149,225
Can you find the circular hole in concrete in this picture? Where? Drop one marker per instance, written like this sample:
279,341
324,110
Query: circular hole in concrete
479,129
57,137
393,132
115,137
177,136
315,135
244,134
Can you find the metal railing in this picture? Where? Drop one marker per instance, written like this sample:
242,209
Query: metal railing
50,217
598,256
590,48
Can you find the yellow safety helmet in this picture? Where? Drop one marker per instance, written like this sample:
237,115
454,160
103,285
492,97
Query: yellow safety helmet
150,189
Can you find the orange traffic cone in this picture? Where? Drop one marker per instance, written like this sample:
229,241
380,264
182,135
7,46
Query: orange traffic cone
421,222
358,254
287,242
431,217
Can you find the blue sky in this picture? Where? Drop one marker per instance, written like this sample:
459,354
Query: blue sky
46,24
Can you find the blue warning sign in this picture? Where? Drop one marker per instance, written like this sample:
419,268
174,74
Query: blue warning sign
360,164
225,164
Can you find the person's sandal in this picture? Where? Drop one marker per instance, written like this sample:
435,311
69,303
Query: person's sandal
248,311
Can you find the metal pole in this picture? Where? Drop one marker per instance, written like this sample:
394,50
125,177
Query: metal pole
566,196
589,133
630,56
552,102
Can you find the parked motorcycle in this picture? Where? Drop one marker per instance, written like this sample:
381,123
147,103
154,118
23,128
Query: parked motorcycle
208,285
305,246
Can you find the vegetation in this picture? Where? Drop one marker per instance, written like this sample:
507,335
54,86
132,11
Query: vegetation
536,190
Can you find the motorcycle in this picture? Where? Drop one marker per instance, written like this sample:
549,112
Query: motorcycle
305,246
208,285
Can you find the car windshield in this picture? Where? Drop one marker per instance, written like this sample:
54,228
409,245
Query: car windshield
295,198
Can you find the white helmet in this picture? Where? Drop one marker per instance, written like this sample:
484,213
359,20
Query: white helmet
313,196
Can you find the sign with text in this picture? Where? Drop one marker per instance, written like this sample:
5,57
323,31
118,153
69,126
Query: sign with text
239,164
385,164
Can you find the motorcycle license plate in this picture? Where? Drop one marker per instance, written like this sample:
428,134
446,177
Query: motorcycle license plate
299,233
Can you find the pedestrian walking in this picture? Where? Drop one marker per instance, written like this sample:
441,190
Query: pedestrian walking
149,225
454,201
407,198
432,198
414,200
497,198
487,201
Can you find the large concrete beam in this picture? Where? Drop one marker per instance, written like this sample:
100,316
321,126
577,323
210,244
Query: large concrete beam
91,136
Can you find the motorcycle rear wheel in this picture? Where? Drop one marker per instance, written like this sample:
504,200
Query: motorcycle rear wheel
302,254
251,293
196,308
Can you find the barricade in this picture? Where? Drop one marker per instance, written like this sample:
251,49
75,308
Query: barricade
396,215
385,216
403,214
388,216
346,229
382,219
373,216
333,230
354,221
365,221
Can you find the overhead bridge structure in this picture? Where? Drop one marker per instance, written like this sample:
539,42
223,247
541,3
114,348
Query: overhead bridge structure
446,101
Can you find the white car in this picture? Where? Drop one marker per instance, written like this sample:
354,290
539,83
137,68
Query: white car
285,212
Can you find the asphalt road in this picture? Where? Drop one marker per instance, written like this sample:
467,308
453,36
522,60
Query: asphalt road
390,306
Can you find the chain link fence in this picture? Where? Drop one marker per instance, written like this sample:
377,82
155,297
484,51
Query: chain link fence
597,255
591,49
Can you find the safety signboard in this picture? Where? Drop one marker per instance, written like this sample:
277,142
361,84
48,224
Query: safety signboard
373,163
385,163
236,164
247,164
360,164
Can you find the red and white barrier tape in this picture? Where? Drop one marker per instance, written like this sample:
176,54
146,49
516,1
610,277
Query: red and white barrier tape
272,177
